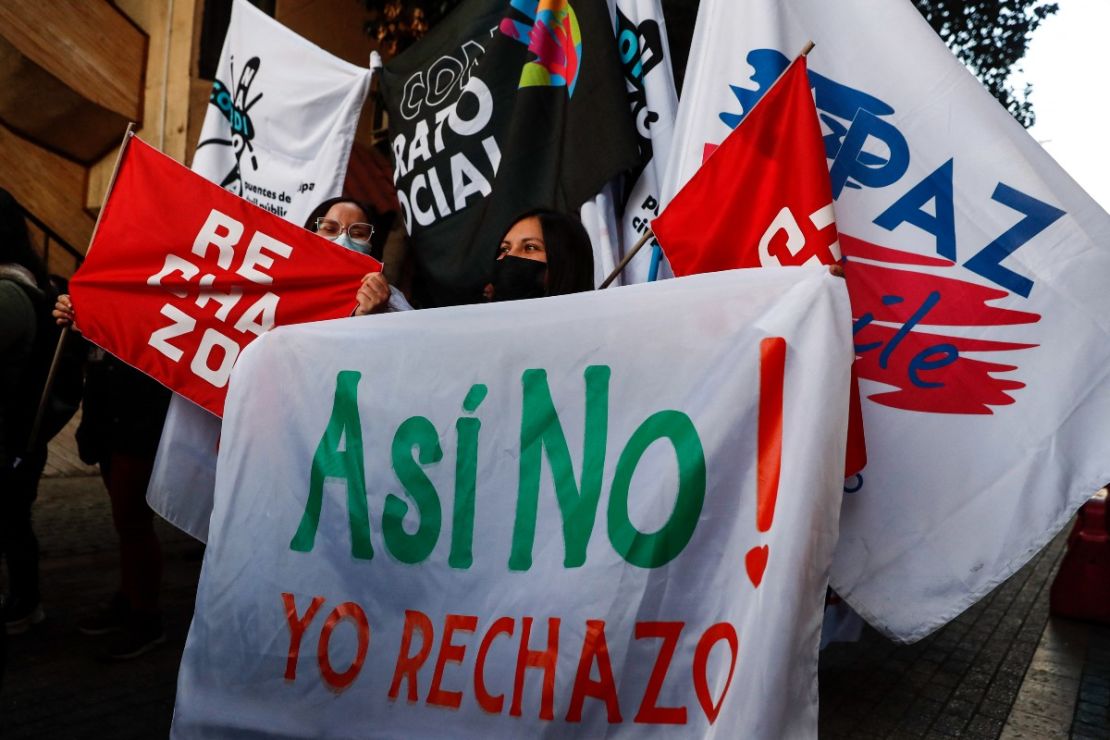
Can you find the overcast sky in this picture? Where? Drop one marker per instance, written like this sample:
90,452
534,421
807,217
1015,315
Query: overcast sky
1066,63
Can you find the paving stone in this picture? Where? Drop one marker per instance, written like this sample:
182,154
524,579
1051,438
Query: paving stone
1024,726
994,710
970,694
962,709
937,691
1079,731
975,679
1087,707
948,679
1042,707
55,686
915,726
1099,697
984,727
1093,719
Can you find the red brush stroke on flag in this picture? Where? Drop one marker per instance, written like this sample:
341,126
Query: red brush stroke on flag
930,371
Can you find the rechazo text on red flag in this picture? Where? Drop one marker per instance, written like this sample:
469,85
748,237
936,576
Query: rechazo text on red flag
181,275
763,197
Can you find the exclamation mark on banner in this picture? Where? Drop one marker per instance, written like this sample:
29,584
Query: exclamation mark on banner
772,372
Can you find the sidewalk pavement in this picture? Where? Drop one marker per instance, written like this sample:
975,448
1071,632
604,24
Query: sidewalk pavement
1003,669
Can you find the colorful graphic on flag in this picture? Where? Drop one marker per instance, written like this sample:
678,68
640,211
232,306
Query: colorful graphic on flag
553,36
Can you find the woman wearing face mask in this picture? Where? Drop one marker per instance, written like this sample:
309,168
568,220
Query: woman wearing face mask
346,222
543,253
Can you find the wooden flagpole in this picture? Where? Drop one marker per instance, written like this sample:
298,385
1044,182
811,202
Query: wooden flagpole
647,235
48,386
627,258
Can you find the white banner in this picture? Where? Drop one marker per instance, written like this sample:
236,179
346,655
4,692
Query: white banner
391,556
645,56
278,132
977,273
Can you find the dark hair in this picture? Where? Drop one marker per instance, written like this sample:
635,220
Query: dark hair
372,219
15,244
570,256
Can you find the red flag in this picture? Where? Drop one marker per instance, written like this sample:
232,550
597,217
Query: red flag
182,275
763,198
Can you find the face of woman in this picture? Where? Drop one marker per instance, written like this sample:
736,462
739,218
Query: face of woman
348,225
525,239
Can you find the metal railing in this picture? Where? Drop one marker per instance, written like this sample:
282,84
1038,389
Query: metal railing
51,237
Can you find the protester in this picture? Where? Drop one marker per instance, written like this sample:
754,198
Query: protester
543,253
346,222
121,422
23,305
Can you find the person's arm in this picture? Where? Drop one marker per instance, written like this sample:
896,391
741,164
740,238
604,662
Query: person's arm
17,313
375,296
63,311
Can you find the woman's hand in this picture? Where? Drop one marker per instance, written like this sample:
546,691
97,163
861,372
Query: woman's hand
373,294
63,310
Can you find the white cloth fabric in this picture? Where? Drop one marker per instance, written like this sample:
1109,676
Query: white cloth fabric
420,403
646,58
977,269
397,300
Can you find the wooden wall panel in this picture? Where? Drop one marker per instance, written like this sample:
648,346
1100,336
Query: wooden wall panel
49,186
90,46
167,112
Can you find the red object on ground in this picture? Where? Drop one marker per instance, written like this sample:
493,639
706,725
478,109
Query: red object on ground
1082,586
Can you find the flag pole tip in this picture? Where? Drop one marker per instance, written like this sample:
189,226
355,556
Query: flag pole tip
807,48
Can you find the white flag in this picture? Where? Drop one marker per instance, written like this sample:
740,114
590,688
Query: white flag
977,273
608,514
599,217
280,122
645,56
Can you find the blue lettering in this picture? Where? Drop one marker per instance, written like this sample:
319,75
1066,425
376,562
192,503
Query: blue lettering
1038,217
861,323
930,301
223,101
627,45
937,187
948,354
851,164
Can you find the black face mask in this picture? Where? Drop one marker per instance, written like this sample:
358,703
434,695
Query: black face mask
515,278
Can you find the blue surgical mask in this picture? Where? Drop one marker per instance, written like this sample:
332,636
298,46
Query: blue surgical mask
345,241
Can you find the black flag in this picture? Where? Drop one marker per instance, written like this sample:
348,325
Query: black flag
506,105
